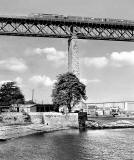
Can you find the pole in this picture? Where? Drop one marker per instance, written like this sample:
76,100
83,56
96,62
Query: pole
32,95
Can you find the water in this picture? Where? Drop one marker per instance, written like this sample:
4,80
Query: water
115,144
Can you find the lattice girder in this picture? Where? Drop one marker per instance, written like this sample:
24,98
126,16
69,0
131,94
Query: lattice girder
65,29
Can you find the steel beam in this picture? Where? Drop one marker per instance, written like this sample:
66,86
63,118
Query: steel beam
104,29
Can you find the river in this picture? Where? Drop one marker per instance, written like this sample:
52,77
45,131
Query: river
116,144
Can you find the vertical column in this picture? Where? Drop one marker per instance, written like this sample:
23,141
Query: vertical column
73,56
125,106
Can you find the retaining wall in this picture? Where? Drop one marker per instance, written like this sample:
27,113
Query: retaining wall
12,117
55,119
47,118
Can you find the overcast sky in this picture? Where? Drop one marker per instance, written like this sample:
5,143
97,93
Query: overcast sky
106,67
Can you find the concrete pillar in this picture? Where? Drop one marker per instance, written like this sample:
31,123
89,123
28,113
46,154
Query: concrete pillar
73,56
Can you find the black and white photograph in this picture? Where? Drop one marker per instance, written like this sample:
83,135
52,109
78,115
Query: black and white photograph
66,80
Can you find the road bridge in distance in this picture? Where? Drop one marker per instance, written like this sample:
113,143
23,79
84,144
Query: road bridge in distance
70,27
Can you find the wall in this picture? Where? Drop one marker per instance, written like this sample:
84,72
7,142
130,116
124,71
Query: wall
47,118
12,117
55,119
26,107
33,109
36,117
130,106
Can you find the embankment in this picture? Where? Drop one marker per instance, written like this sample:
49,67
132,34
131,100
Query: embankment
109,122
14,125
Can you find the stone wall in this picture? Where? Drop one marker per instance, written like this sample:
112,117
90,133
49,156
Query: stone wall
12,117
59,119
47,118
55,119
36,117
41,123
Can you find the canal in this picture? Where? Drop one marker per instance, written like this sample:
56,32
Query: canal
117,144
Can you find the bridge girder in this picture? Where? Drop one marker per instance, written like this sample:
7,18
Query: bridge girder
65,29
71,29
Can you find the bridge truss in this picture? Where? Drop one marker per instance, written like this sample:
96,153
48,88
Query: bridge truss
64,28
72,28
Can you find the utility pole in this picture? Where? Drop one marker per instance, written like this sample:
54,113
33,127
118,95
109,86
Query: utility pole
32,95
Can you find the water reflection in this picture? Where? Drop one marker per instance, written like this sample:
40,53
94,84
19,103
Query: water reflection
72,145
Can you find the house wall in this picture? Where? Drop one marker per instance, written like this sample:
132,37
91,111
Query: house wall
91,112
107,112
25,107
33,109
130,106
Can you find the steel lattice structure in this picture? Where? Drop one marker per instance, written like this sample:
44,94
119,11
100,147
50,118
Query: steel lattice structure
65,27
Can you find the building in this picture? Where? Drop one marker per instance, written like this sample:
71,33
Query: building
81,106
37,108
108,108
130,106
92,110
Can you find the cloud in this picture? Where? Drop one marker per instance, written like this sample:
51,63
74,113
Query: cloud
86,81
18,80
13,64
115,59
98,62
51,54
4,81
83,80
120,59
42,80
93,80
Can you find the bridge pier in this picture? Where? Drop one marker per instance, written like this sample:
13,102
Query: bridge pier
73,56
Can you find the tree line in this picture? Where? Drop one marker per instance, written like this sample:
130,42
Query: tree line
67,91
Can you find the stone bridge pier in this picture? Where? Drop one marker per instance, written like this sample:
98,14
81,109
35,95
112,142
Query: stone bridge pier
73,56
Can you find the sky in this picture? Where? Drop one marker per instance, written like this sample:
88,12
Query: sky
106,67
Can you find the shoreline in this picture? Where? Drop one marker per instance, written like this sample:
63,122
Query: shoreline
17,131
51,122
109,123
8,132
15,125
113,127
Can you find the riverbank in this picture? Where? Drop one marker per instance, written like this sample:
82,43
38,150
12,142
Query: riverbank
15,125
109,122
16,131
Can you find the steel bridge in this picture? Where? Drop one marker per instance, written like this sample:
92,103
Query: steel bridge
70,27
64,27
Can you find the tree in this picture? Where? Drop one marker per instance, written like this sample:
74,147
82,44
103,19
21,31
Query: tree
10,94
68,91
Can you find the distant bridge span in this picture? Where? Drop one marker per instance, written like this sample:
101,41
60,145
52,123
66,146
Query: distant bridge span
59,26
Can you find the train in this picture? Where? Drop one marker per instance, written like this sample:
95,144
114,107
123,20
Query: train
78,18
57,17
